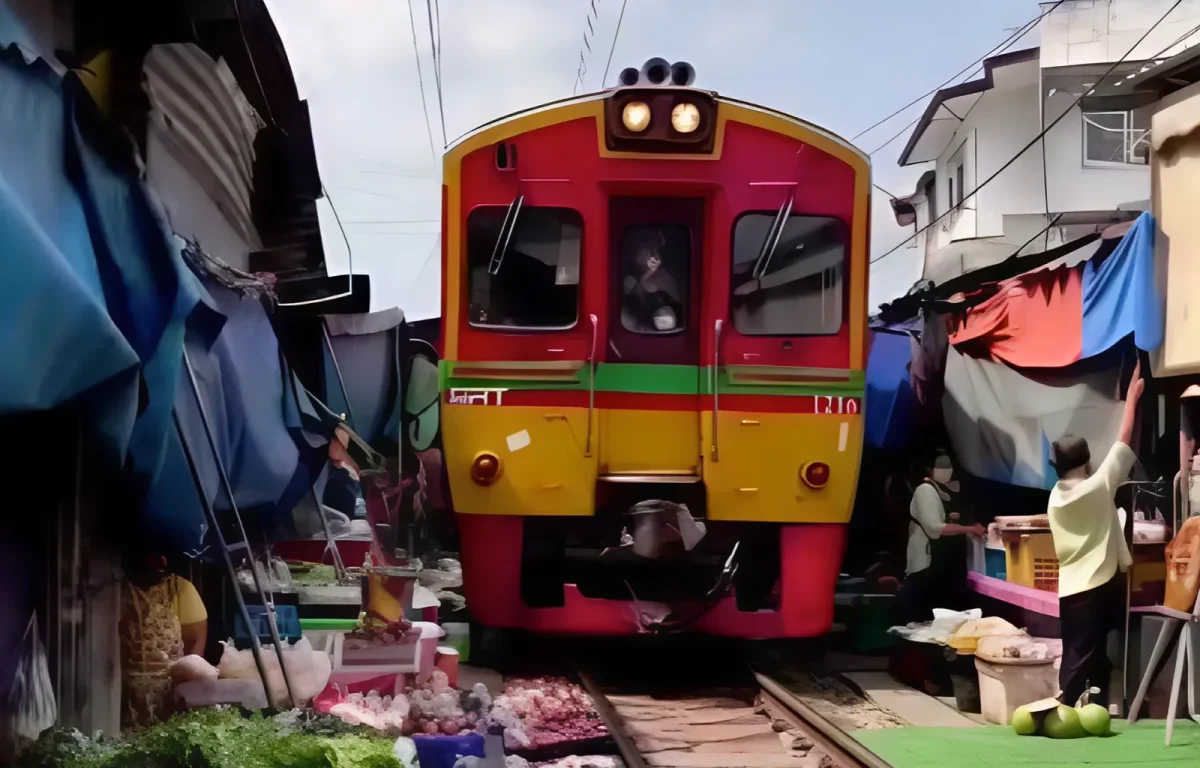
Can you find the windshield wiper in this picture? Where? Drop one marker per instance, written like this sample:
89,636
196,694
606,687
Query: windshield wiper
507,227
771,242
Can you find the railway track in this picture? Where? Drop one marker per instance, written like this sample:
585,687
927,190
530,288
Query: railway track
737,719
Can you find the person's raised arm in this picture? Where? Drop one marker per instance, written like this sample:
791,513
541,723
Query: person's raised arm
1120,459
1132,395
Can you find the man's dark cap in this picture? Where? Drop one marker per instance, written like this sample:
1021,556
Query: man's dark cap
1070,452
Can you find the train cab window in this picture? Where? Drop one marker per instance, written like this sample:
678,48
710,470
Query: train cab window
655,266
795,288
534,282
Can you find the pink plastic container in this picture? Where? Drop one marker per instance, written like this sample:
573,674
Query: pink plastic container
447,661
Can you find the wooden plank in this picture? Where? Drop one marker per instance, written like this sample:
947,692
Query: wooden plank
725,760
688,717
762,743
699,734
619,701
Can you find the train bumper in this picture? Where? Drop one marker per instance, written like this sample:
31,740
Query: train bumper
491,548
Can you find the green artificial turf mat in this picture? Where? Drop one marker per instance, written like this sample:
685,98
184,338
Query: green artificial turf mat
998,747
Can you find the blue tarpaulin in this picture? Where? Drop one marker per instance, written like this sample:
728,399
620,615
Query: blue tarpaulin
890,402
1120,297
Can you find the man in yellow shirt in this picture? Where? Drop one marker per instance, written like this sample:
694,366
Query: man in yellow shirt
1092,555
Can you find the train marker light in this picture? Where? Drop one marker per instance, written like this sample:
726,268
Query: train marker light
815,474
485,469
685,117
636,116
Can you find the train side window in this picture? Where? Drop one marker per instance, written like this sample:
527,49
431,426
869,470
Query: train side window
796,289
534,283
655,267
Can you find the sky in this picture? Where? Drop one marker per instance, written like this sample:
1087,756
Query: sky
842,64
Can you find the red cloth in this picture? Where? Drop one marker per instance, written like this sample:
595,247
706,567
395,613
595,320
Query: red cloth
1035,320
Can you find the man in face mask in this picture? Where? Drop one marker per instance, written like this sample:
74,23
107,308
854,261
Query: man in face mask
936,570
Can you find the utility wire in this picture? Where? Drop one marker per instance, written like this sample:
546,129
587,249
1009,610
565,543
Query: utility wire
421,81
1035,139
437,70
1011,39
613,47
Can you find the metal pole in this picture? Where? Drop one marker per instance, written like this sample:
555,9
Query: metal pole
268,605
338,370
211,517
338,566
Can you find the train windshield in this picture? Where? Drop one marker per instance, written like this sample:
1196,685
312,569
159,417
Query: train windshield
534,282
797,290
655,261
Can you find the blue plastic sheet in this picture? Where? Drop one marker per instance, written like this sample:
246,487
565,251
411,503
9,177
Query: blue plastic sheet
1120,297
890,402
58,339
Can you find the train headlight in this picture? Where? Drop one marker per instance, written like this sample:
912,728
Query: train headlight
815,474
636,116
685,118
485,469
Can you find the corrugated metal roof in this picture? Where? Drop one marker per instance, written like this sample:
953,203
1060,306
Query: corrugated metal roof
205,121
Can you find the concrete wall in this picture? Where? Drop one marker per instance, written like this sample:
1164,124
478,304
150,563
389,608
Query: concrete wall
1175,166
1093,31
1074,186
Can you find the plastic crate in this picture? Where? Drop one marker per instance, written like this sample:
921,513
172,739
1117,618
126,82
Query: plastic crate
994,563
287,621
1030,560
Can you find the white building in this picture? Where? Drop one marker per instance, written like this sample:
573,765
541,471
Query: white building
1090,170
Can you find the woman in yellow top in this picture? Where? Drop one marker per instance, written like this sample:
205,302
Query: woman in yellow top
1092,555
163,619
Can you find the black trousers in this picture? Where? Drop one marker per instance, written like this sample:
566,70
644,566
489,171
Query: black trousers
1086,619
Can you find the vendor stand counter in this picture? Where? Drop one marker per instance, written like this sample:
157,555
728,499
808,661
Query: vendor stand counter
1034,609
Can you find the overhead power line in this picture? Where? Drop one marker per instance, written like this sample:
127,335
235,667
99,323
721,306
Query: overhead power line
421,81
437,67
613,47
1021,32
1007,42
1035,139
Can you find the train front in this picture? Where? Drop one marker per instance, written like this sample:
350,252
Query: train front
653,346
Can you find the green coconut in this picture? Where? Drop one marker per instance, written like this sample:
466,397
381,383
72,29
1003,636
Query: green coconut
1023,722
1062,722
1095,720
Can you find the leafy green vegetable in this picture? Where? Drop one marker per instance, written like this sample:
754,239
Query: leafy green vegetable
217,738
316,576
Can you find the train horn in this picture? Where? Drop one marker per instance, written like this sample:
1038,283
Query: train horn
682,73
655,72
629,76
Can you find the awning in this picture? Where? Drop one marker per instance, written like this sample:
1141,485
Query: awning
1089,307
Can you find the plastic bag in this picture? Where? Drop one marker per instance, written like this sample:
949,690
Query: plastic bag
31,707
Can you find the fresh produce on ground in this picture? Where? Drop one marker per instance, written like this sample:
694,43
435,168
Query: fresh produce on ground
1062,722
218,738
543,711
1095,720
1023,722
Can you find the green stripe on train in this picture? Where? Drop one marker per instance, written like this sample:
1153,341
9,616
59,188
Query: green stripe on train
645,378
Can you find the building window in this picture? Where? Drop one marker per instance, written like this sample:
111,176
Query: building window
534,282
1116,138
950,193
931,198
655,266
959,183
795,290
